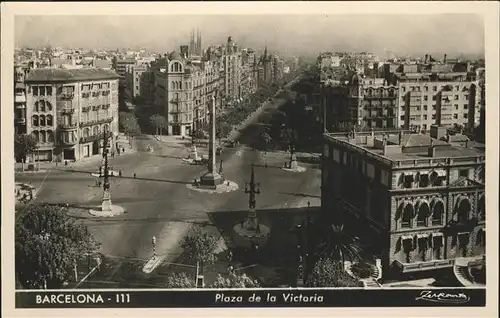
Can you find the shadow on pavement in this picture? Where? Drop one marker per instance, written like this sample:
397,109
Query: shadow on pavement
303,195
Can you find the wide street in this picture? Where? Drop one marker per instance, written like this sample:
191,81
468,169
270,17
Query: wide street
158,202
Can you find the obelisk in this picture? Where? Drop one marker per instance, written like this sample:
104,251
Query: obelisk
211,179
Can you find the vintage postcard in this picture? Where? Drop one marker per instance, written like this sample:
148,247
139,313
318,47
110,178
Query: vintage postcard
285,158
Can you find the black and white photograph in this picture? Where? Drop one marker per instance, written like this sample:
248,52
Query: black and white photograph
227,155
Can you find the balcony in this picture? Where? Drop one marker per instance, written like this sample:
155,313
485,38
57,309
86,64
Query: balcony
96,122
66,96
68,142
67,111
68,126
86,95
91,138
96,94
20,98
106,92
85,109
422,266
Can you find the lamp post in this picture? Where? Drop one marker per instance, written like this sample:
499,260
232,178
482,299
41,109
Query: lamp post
252,188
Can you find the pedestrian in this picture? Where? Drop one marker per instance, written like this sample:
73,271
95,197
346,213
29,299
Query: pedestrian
112,154
118,151
241,223
123,150
230,256
120,173
258,228
230,269
308,204
134,175
99,183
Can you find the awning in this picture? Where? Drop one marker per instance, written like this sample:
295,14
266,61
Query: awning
422,236
437,234
406,237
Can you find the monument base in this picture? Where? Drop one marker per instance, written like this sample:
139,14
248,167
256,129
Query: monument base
246,236
211,180
106,210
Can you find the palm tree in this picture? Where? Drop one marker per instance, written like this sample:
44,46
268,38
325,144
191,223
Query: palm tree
338,244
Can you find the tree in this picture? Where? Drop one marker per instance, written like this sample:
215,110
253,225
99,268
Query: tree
222,130
199,247
330,273
234,281
24,145
48,246
128,124
158,122
179,280
197,135
337,244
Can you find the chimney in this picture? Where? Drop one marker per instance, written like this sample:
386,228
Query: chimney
444,59
426,58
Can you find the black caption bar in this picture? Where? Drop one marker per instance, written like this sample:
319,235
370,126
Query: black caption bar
252,298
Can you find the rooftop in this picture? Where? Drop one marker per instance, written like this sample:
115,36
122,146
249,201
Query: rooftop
69,75
400,145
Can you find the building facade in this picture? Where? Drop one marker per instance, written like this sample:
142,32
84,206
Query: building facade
442,99
183,90
416,200
19,100
68,111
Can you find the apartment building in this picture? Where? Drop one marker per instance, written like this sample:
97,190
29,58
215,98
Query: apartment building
437,98
183,90
67,111
232,64
417,201
19,99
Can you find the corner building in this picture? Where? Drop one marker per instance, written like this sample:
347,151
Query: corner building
416,200
69,109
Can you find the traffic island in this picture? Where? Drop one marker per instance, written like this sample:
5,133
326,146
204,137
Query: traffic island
248,234
224,187
107,211
293,165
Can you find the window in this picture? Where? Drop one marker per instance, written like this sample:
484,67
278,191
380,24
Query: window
422,215
34,120
456,106
42,106
456,97
433,116
423,180
49,106
425,117
402,117
426,88
457,88
424,126
50,136
463,173
466,97
407,216
466,106
434,97
433,107
437,213
434,88
465,116
43,136
49,120
49,90
426,97
455,116
35,90
408,181
403,89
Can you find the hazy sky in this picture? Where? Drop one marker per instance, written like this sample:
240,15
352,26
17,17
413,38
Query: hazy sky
296,34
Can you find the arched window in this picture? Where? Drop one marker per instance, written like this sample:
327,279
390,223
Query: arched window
437,212
49,120
106,128
95,130
86,132
42,120
36,135
423,212
408,212
50,136
180,85
49,106
481,209
463,209
37,107
42,105
43,136
34,120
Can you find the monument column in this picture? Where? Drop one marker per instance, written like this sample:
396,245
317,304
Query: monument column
211,143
